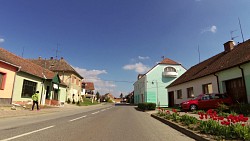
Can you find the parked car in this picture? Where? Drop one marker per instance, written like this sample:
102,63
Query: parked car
206,101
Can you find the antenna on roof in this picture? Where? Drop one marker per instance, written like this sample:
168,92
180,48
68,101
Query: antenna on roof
162,57
22,52
241,30
199,53
57,45
231,33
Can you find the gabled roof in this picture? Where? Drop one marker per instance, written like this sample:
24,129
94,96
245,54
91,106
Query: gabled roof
89,85
165,61
56,65
169,62
224,60
25,65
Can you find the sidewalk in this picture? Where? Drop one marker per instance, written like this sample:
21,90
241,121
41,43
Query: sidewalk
6,112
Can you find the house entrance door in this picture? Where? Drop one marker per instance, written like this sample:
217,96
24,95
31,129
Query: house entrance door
171,99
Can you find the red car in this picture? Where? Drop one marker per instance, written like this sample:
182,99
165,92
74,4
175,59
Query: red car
206,101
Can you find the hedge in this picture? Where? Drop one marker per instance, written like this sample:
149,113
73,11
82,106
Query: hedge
146,106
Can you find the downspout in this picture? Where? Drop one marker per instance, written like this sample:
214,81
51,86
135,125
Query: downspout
19,68
242,73
218,85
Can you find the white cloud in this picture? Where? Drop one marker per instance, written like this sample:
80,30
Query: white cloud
137,67
101,86
143,58
1,40
212,29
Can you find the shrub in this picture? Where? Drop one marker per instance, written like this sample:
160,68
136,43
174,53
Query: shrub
241,109
147,106
151,106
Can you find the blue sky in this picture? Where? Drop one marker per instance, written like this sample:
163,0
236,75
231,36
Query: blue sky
109,41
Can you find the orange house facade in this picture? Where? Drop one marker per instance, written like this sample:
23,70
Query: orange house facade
7,78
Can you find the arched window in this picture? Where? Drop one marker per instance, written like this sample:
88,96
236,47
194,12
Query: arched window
170,69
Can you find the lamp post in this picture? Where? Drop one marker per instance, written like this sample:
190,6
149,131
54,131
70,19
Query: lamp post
156,91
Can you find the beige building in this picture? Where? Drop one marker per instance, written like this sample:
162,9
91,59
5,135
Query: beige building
67,74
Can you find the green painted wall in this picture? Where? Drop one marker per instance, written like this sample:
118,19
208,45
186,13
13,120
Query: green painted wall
146,88
155,81
227,75
235,73
18,86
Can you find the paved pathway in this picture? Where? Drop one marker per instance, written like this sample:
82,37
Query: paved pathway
6,112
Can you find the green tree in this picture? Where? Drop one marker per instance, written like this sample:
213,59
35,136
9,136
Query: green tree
97,95
121,96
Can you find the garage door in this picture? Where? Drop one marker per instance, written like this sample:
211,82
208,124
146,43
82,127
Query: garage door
236,89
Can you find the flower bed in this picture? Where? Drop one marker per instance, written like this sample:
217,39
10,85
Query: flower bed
231,127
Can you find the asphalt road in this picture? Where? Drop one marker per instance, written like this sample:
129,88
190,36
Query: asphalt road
107,123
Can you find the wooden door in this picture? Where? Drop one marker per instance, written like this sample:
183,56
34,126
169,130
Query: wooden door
236,89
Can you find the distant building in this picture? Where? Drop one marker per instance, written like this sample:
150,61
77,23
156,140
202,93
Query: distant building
227,72
88,90
150,87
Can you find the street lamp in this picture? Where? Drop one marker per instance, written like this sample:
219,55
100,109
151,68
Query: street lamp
156,91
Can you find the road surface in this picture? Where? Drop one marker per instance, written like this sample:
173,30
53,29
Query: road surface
106,123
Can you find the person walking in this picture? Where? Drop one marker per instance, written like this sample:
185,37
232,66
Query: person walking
35,100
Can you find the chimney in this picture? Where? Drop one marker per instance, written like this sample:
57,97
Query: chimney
228,46
51,58
39,58
61,58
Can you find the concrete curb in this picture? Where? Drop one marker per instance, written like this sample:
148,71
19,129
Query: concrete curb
180,129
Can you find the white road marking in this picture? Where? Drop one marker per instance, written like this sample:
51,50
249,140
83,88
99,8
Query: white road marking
25,134
77,118
95,112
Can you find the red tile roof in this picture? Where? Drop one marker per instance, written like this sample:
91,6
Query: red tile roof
224,60
56,65
26,65
89,85
169,62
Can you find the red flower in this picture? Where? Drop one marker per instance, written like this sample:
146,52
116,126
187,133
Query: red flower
174,110
221,118
201,117
205,116
243,125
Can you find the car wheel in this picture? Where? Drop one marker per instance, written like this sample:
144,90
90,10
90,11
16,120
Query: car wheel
193,107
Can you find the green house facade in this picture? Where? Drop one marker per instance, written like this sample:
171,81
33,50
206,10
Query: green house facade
150,87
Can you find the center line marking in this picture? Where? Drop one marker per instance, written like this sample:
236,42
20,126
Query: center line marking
77,118
25,134
95,112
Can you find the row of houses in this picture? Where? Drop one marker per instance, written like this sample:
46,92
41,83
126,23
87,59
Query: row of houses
168,84
55,79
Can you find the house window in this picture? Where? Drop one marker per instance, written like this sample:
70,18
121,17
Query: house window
207,88
179,94
77,82
170,69
29,88
2,80
190,92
